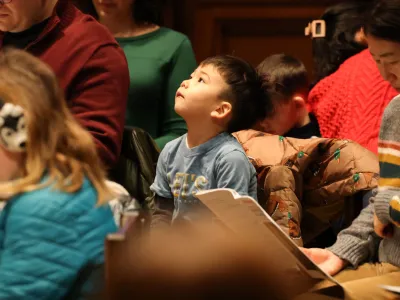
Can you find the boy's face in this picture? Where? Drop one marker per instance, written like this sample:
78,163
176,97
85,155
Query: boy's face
283,119
198,97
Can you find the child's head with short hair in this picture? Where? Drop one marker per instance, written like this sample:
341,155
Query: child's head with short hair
286,81
38,134
225,93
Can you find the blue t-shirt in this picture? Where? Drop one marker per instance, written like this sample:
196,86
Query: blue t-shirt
218,163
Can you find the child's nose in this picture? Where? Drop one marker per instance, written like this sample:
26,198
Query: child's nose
185,84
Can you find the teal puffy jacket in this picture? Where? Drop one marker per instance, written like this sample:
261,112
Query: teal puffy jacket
47,237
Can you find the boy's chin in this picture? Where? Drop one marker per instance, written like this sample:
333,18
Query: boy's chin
188,114
179,110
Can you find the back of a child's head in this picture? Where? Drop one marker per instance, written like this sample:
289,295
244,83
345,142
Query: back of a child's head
245,91
56,144
285,77
343,21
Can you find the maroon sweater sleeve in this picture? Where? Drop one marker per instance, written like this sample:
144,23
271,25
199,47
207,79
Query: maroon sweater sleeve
99,102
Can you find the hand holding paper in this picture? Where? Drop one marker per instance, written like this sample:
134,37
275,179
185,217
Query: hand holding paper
325,260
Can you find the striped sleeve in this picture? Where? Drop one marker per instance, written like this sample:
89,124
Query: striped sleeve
389,163
387,204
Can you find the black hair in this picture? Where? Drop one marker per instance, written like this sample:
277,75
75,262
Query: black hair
246,92
285,77
384,21
143,11
343,21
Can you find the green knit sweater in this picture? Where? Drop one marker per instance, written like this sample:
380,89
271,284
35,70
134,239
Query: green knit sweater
158,62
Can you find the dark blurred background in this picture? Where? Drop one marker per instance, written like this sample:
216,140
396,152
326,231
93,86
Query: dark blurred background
251,29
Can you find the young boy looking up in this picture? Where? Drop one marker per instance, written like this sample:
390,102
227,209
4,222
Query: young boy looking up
223,95
288,86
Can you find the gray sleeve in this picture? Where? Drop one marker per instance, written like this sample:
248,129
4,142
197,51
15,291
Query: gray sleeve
357,243
382,201
389,137
234,171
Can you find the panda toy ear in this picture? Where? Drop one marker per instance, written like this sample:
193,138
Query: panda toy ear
12,136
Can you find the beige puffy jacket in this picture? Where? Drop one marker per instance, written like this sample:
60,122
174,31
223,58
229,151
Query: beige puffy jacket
305,185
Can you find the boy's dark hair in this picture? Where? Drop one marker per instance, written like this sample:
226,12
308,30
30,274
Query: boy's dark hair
343,21
144,11
384,21
286,76
249,101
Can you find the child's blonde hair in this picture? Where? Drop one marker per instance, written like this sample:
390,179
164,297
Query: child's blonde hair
57,145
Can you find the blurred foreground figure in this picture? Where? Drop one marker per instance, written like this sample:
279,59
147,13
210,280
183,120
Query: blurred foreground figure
196,263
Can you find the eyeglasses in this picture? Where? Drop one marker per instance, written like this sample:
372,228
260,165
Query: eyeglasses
5,2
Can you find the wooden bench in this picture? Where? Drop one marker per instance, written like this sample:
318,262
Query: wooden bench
133,224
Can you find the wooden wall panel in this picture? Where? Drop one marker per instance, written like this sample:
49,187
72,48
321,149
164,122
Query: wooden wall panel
251,29
253,32
255,49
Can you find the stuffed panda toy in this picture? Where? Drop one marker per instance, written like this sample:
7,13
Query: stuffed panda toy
13,134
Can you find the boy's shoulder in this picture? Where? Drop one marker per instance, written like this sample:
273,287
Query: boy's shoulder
230,150
227,147
171,149
174,144
230,144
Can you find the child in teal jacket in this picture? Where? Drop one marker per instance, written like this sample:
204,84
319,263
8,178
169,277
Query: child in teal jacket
55,216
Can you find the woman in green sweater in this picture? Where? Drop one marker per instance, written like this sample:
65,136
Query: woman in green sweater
159,59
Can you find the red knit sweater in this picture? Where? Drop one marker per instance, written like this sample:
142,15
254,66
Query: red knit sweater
349,103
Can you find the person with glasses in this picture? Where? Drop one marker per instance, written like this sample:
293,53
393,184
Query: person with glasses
88,62
366,255
348,96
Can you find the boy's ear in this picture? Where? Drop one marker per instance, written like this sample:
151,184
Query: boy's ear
299,101
222,111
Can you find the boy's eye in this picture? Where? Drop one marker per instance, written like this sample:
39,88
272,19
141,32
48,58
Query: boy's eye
393,62
200,80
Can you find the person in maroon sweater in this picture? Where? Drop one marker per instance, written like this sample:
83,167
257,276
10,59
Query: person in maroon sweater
88,62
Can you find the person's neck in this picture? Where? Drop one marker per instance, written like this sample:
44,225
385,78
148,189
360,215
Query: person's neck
123,26
304,118
126,27
49,10
199,134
